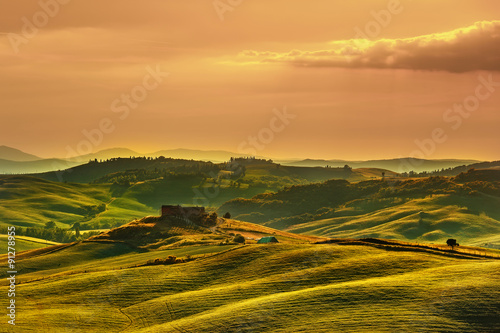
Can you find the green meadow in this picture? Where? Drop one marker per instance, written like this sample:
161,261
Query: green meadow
24,243
126,193
359,250
465,207
475,221
95,287
28,201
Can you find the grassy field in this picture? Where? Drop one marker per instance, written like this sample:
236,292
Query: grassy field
108,283
472,221
434,209
28,201
24,243
31,202
253,232
95,287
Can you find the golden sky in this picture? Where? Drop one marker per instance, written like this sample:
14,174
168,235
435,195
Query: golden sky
282,78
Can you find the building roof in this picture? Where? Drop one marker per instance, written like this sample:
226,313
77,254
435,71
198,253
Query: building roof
269,239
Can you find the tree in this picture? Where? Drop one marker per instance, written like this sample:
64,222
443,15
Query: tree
239,239
208,220
452,242
227,215
50,225
77,232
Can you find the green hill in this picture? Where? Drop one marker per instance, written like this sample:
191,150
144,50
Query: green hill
162,232
29,202
95,170
99,195
24,243
247,170
276,196
106,287
436,218
461,169
32,202
430,209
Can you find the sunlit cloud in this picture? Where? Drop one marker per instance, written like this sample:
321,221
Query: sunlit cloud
476,47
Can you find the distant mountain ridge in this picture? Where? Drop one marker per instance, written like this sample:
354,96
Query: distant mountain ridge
12,154
14,161
398,165
39,166
34,164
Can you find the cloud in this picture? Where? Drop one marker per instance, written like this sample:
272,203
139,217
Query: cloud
476,47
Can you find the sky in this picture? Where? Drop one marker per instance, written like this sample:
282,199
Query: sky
355,80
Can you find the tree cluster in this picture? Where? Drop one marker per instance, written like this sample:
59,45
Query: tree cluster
51,233
300,203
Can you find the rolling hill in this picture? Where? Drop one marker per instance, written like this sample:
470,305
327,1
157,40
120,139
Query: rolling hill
407,209
95,170
32,202
24,243
132,187
464,168
429,209
436,218
164,232
10,155
138,192
14,161
216,156
110,287
255,170
178,274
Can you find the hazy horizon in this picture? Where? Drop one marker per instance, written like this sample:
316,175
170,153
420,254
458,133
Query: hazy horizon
289,158
353,81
